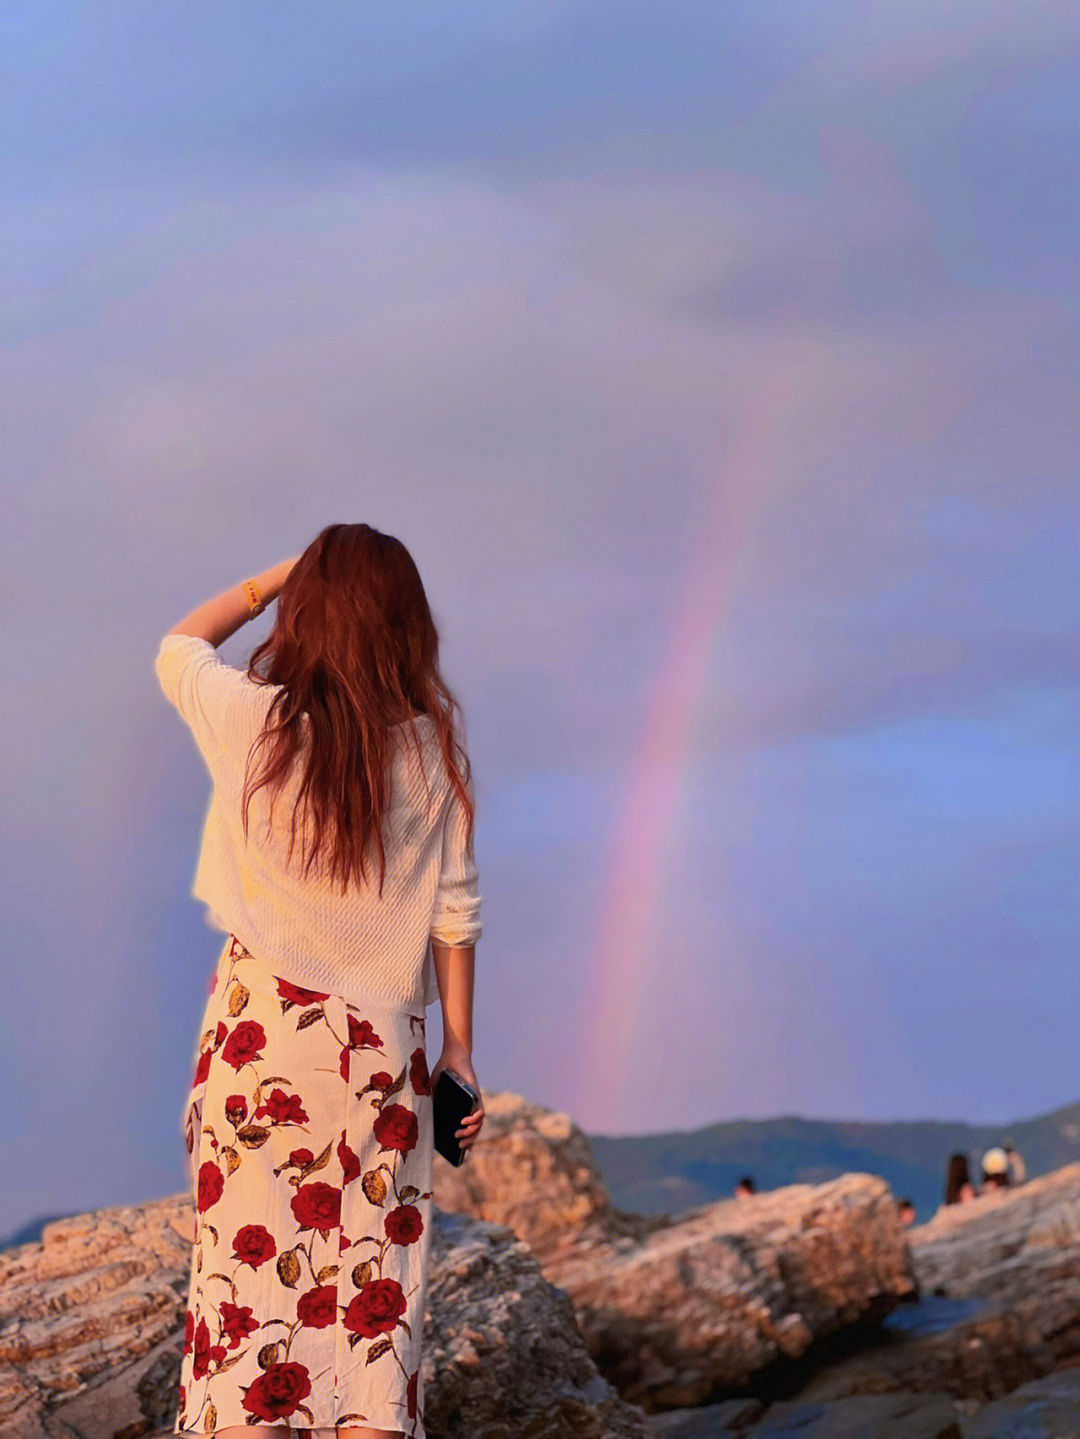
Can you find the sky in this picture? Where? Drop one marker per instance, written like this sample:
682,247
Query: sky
718,366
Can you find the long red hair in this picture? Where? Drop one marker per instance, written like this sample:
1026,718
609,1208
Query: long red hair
356,650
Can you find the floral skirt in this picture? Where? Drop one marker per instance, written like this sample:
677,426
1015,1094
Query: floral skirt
309,1131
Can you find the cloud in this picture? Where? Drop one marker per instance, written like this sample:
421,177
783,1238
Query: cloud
519,371
542,295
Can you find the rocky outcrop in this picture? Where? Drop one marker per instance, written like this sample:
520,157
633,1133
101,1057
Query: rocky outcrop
677,1310
989,1347
504,1356
868,1416
949,1330
532,1169
1007,1244
718,1296
998,1299
92,1320
1044,1409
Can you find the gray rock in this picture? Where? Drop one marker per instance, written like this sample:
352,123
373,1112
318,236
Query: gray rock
866,1416
92,1321
676,1309
733,1416
891,1416
1046,1408
1000,1299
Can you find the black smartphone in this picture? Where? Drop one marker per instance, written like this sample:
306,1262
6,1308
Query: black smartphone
452,1101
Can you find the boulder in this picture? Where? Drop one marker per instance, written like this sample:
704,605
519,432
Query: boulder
1046,1408
92,1321
1006,1244
998,1299
867,1416
533,1170
677,1310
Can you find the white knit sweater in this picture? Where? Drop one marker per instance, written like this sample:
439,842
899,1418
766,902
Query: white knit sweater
356,945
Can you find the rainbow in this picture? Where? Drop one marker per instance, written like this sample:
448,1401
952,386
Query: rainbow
628,945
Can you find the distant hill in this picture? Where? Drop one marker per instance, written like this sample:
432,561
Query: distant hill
30,1232
667,1173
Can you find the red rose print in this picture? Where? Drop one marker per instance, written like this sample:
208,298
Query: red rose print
304,1080
376,1309
350,1160
237,1322
317,1206
254,1245
202,1069
418,1072
205,1352
404,1224
296,995
236,1109
278,1391
362,1035
318,1307
211,1185
396,1127
244,1043
283,1108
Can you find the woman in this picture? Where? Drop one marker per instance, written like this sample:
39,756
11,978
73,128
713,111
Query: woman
958,1186
337,858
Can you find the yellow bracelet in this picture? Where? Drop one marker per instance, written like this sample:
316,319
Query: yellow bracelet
254,599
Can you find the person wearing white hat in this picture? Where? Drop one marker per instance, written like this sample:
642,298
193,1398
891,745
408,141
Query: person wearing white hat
995,1168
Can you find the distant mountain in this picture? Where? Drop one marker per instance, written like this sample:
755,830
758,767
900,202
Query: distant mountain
667,1173
31,1230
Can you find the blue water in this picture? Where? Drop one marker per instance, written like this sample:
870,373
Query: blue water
933,1314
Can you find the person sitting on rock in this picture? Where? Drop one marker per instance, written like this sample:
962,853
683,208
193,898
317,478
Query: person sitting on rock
995,1167
907,1211
744,1188
1017,1167
958,1185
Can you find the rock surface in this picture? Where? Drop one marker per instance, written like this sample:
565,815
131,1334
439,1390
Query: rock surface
92,1320
741,1301
999,1286
675,1310
886,1416
1044,1409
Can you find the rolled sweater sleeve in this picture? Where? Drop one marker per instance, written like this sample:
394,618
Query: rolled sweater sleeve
201,687
456,916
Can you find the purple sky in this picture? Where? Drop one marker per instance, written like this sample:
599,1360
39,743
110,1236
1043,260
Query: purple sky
505,280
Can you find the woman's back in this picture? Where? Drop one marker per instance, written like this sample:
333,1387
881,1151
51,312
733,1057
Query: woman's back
356,942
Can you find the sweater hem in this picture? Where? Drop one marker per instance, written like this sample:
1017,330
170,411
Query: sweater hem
356,993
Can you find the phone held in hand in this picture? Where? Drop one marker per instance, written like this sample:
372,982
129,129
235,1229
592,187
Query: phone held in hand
452,1101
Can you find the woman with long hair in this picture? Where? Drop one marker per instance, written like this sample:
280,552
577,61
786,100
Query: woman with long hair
958,1186
337,859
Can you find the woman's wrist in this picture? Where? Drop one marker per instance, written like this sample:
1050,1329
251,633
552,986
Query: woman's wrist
218,618
269,583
